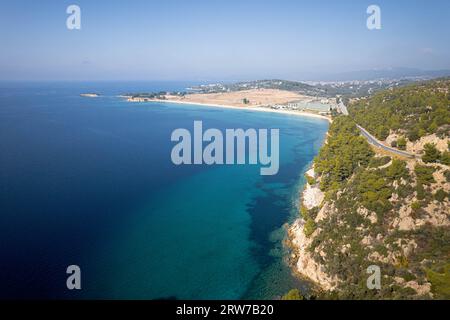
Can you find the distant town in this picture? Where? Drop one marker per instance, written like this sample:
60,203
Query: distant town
319,97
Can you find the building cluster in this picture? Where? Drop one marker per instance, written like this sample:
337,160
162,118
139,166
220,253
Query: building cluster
328,106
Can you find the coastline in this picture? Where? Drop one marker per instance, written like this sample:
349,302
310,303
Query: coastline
298,260
257,109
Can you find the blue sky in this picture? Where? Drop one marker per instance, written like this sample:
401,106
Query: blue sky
218,40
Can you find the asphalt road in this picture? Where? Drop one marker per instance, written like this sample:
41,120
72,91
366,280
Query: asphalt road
343,108
372,140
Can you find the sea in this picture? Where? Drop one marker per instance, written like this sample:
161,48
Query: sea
90,182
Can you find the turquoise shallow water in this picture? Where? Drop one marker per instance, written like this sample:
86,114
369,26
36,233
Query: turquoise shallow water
90,182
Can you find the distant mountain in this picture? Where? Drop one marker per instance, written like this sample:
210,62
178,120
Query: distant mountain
389,73
279,84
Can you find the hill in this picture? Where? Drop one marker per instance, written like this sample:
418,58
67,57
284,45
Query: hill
416,110
376,209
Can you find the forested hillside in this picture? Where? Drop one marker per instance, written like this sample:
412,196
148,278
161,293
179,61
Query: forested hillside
416,110
380,210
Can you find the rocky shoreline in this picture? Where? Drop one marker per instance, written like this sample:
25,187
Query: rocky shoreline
300,259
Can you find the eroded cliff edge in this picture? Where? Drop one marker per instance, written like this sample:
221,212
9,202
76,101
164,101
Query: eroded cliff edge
361,208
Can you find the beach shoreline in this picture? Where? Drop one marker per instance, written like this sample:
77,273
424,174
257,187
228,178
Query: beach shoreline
295,242
257,109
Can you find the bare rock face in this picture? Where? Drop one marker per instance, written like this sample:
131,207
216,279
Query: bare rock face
370,215
404,221
417,146
376,257
441,180
422,290
438,215
312,197
397,251
324,212
306,265
311,173
409,248
368,240
391,138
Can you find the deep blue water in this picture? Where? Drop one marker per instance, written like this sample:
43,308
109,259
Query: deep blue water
89,181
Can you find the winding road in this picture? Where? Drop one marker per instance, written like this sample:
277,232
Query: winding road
374,141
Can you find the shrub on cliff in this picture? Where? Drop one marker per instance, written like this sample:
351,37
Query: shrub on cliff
397,170
421,194
373,191
416,205
447,175
309,228
401,143
445,158
431,153
440,195
424,174
378,162
304,212
311,181
440,282
293,294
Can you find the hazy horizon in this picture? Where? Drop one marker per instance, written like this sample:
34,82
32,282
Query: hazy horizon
212,40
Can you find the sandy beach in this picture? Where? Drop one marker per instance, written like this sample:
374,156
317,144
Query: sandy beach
246,108
255,100
252,97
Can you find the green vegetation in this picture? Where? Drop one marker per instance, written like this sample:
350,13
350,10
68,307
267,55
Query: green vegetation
293,294
311,181
378,162
431,153
440,195
368,196
416,205
424,177
245,101
161,95
373,191
372,187
440,282
445,158
421,194
345,151
304,213
397,170
447,175
401,143
310,227
417,110
424,174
